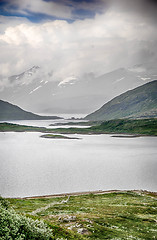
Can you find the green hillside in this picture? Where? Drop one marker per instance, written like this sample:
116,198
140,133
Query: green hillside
138,126
9,111
113,215
140,102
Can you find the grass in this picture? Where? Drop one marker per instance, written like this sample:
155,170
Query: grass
142,126
126,126
116,215
52,136
10,127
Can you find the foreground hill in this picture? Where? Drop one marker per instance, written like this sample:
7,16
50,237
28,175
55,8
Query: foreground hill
140,102
112,215
9,111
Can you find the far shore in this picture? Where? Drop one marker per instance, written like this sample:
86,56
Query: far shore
118,128
96,192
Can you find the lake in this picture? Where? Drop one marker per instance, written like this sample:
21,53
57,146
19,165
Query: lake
30,165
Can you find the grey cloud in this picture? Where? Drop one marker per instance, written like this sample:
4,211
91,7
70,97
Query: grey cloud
120,37
146,8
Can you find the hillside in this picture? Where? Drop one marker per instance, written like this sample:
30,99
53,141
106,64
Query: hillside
9,111
107,215
140,102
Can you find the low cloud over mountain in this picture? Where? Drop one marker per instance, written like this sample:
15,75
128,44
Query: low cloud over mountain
114,35
69,40
35,91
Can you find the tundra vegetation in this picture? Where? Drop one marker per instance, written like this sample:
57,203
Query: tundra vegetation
113,215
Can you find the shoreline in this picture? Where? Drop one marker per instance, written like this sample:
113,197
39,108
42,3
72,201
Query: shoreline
113,134
96,192
117,128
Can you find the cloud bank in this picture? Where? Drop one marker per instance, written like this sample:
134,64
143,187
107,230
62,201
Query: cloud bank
120,35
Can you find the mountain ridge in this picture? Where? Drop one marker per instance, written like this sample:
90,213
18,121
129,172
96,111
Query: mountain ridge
10,111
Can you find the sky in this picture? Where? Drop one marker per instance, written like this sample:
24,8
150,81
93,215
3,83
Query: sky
75,37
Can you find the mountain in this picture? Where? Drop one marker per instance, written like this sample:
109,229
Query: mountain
9,111
38,91
140,102
24,77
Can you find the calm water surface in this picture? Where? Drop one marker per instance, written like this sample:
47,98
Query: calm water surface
30,165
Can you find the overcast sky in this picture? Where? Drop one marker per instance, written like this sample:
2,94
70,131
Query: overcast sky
73,37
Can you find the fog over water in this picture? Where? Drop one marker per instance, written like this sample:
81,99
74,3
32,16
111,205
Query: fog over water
31,165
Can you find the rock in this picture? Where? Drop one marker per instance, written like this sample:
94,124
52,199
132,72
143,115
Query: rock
88,220
89,226
67,219
70,228
78,225
72,218
82,231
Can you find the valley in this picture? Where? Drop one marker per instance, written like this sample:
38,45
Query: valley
78,120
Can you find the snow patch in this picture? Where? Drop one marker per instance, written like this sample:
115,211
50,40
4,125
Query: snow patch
67,80
144,79
35,90
118,80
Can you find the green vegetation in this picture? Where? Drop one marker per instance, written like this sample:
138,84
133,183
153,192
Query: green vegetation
140,126
126,126
20,227
115,215
56,136
9,127
140,102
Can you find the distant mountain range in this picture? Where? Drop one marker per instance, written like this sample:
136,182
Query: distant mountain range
9,111
36,90
140,102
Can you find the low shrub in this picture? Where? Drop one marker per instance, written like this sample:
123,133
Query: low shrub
19,227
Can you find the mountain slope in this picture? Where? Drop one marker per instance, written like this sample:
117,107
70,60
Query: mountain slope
140,102
9,111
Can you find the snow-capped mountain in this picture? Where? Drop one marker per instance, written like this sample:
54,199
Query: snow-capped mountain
26,77
35,89
23,89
